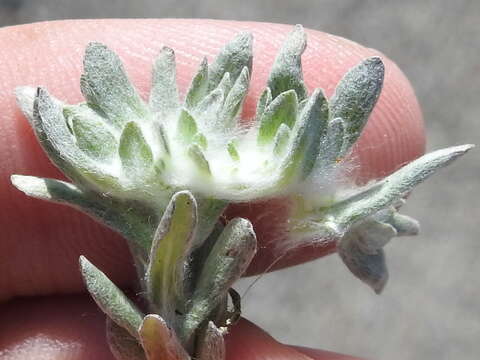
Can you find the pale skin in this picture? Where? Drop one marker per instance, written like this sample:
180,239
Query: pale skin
41,242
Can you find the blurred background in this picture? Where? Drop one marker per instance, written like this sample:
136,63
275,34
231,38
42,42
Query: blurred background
431,307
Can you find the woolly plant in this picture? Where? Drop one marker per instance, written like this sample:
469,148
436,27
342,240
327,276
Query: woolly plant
161,173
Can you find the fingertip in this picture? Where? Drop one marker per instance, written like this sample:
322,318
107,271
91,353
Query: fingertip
246,341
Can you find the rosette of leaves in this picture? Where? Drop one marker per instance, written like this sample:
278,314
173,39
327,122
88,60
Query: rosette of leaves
162,171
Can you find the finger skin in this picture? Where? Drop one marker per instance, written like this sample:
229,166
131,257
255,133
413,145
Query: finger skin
72,328
41,242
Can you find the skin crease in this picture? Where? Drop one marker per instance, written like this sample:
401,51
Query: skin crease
41,242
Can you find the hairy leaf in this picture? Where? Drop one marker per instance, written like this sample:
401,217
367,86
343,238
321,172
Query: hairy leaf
356,95
106,87
371,268
170,247
52,131
187,126
235,98
236,55
197,156
133,225
282,110
92,134
227,261
393,187
110,298
281,140
263,102
199,86
135,153
286,73
164,94
306,139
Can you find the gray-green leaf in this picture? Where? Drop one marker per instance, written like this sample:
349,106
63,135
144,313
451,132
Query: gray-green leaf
236,55
208,110
235,98
370,268
393,187
356,95
307,135
92,134
135,154
133,225
286,73
227,261
199,86
282,110
106,87
198,158
263,102
110,298
55,137
164,94
187,126
281,140
331,148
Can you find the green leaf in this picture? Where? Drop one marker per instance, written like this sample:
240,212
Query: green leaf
281,140
187,126
282,110
286,73
307,135
132,222
162,137
263,102
232,59
164,94
227,261
210,209
225,84
199,160
123,345
199,86
53,134
209,109
200,140
106,87
170,247
211,345
392,188
135,153
235,98
92,134
356,95
159,341
110,298
232,151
